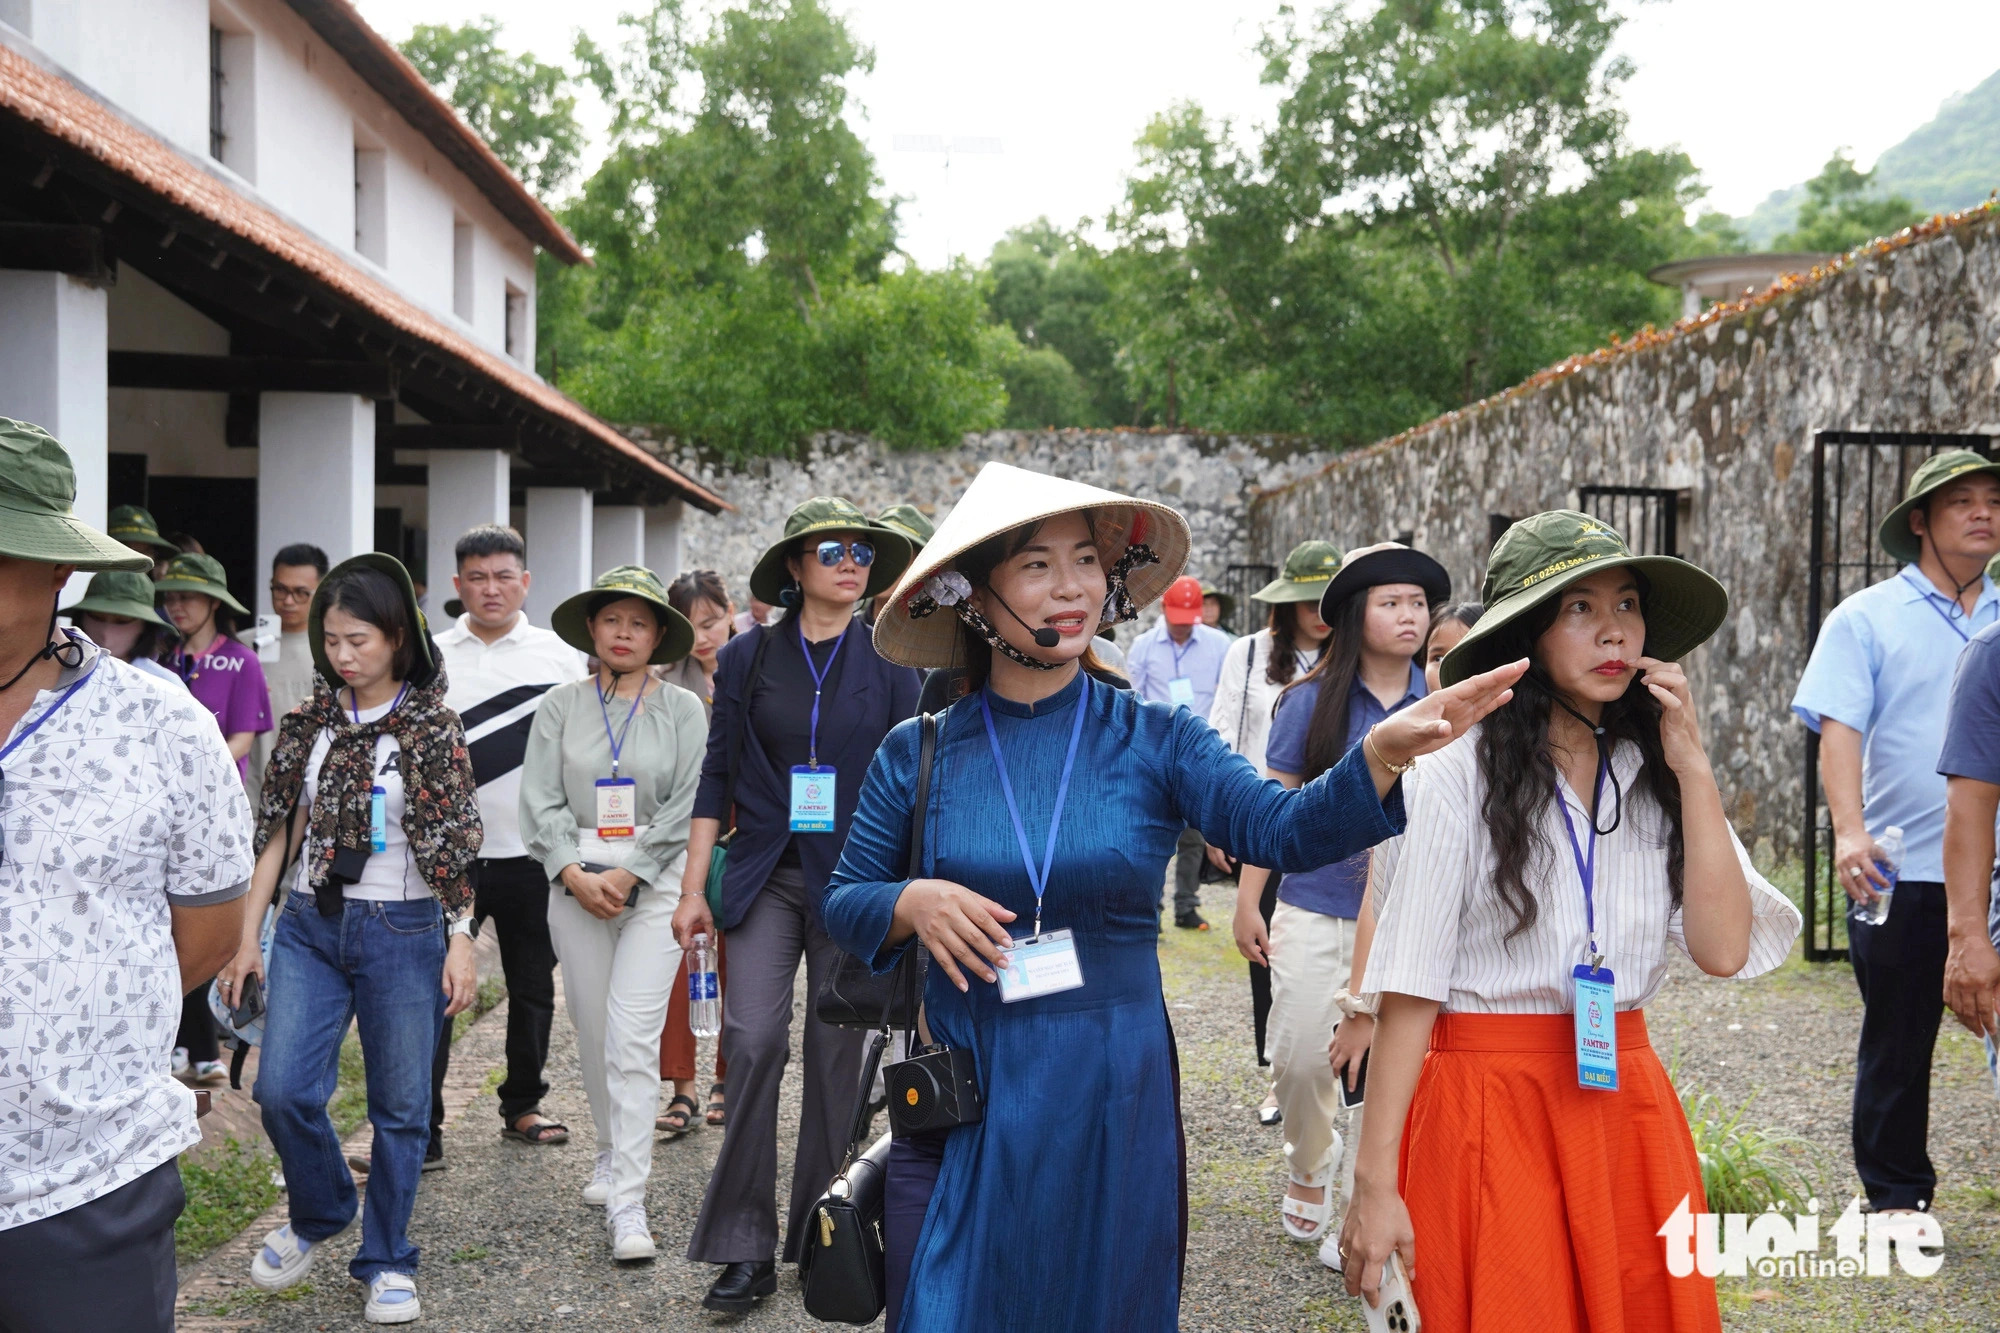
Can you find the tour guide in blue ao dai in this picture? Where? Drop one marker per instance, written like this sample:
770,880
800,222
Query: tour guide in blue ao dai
1055,804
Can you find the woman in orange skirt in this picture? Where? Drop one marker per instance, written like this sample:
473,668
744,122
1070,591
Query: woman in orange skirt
1523,1145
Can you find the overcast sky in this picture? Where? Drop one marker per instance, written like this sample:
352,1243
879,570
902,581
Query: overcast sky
1759,92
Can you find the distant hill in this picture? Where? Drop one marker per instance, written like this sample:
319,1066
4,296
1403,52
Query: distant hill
1952,162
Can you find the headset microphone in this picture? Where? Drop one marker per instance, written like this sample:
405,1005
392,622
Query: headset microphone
1044,638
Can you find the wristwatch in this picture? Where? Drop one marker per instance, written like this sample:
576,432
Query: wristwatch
465,926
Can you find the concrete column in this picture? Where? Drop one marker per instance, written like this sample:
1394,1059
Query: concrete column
315,474
617,537
52,373
467,487
559,547
663,540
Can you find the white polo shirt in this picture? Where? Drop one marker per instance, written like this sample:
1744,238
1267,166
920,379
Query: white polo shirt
495,688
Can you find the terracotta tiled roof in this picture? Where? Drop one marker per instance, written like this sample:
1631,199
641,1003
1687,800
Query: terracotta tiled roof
390,74
49,103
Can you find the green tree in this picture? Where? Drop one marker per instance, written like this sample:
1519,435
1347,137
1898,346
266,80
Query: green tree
1841,211
520,106
1051,288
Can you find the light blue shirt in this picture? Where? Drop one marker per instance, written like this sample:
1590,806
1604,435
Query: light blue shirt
1883,666
1154,661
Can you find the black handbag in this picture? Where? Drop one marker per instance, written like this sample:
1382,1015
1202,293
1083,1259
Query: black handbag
855,996
841,1261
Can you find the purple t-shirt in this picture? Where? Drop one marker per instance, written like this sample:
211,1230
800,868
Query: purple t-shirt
229,681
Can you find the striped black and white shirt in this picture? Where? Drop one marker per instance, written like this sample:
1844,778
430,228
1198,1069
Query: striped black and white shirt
1441,927
494,688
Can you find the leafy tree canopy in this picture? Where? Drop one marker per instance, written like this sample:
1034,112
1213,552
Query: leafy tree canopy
1841,210
521,107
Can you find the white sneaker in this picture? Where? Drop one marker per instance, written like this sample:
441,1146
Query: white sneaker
599,1189
286,1258
392,1299
181,1065
211,1073
631,1237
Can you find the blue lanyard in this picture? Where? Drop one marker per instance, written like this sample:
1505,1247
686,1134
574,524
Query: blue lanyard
1037,880
1586,865
617,743
1180,650
819,681
53,709
1931,599
354,703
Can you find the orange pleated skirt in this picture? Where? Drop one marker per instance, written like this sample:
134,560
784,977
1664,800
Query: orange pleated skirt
1536,1204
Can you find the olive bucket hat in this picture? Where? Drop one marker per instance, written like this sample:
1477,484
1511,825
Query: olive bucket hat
1540,556
37,502
1308,569
406,589
571,620
136,528
119,592
830,514
193,572
1932,475
1209,590
910,521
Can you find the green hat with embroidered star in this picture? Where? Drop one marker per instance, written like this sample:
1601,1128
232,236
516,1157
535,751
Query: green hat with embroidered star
1933,474
136,527
829,514
37,506
1308,569
910,521
571,620
191,571
1540,556
119,592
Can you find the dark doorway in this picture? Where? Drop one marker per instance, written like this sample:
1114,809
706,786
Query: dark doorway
125,480
221,514
1647,517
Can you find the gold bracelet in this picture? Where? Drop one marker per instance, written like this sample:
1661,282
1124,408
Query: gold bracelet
1382,759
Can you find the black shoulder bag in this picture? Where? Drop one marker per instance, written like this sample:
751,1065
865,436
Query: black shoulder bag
718,859
854,996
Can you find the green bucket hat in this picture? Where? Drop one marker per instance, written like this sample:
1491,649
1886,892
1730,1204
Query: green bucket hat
571,620
119,592
1209,590
830,513
382,563
1541,555
1308,569
1934,473
194,572
910,521
37,499
136,527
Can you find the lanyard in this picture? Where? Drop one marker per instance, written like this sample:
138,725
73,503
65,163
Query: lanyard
355,703
617,743
1931,599
53,709
1586,865
1180,650
819,682
1037,880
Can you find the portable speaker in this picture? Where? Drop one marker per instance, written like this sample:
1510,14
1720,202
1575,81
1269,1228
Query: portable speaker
934,1089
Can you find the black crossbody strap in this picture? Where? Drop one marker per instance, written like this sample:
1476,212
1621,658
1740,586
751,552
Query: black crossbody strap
743,726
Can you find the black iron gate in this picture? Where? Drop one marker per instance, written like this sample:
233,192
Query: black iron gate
1858,476
1239,581
1647,517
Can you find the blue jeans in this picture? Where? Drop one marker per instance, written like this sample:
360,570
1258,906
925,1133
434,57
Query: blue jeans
382,963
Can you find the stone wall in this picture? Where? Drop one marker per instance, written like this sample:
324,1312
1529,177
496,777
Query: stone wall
1210,478
1904,335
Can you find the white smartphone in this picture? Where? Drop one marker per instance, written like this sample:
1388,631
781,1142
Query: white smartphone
1397,1312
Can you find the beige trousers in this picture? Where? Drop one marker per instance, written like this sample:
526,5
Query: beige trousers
1310,956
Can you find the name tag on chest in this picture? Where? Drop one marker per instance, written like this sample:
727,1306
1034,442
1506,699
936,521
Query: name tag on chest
1040,965
812,799
617,807
1180,690
1596,1027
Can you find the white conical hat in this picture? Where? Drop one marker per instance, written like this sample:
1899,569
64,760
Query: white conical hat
1000,499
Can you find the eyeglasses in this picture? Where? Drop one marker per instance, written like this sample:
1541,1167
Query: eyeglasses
281,593
831,553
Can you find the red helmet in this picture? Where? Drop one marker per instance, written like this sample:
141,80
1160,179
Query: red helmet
1182,603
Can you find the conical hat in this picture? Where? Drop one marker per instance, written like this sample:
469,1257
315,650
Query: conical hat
1000,499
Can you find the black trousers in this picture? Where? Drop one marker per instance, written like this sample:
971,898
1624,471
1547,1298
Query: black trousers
197,1029
106,1264
1260,975
513,893
907,1185
1899,967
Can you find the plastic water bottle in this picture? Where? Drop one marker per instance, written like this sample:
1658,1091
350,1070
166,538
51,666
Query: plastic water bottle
1888,860
705,989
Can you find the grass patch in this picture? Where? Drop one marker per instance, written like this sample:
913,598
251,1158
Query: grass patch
491,992
1745,1168
243,1300
226,1189
470,1254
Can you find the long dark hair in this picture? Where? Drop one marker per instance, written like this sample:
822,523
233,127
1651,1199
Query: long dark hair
1338,666
1520,776
372,596
978,564
1284,662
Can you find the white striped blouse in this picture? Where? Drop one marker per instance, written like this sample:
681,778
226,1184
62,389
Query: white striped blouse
1441,926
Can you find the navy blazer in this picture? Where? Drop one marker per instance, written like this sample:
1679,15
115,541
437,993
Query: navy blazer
874,696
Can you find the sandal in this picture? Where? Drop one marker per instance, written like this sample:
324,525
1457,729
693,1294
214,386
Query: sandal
1318,1214
718,1112
538,1134
675,1121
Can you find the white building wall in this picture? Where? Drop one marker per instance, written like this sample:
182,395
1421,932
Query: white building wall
180,433
148,56
52,373
317,481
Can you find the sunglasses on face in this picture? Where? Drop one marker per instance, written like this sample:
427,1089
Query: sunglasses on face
831,553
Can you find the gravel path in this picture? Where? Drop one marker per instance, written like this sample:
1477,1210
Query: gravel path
508,1245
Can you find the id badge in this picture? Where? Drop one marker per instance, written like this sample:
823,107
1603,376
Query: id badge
1180,690
617,804
378,819
1040,965
1596,1028
812,799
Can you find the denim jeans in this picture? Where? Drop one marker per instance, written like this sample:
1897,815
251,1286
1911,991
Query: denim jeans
381,963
